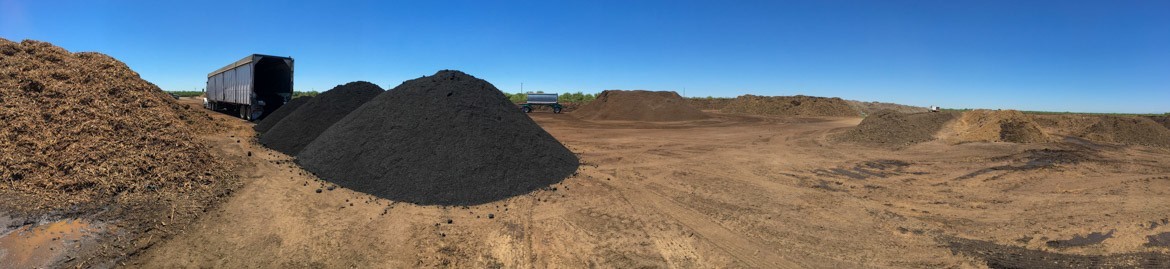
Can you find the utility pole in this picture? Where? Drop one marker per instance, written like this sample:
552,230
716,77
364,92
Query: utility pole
521,87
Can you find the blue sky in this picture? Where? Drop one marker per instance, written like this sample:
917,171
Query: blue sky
1088,56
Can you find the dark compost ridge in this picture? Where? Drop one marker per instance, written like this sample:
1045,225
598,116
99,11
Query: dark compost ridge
300,128
446,139
272,119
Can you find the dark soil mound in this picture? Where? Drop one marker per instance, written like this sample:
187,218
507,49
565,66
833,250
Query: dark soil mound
791,106
447,139
891,128
303,125
1128,130
272,119
639,105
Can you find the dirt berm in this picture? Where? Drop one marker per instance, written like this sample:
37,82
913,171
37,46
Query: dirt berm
272,119
891,128
83,136
984,125
639,105
445,139
303,125
799,105
1128,130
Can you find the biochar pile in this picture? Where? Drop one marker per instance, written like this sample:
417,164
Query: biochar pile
272,119
303,125
639,106
445,139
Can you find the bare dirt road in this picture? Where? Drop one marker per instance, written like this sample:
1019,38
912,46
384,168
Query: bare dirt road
731,191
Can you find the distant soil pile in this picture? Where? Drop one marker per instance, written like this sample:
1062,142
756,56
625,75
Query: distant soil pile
891,128
445,139
1163,120
639,105
1128,130
867,108
272,119
998,126
790,106
1065,124
304,124
81,129
709,103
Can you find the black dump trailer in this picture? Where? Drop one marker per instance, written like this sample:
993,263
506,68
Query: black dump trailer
252,87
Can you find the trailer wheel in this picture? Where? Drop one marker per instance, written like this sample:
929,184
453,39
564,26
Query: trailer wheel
526,109
557,109
245,113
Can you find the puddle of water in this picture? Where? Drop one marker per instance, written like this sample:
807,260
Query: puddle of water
41,245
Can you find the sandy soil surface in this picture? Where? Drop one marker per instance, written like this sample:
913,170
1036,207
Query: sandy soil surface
731,191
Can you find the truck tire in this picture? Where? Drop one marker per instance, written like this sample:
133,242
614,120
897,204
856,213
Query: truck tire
244,113
526,109
557,110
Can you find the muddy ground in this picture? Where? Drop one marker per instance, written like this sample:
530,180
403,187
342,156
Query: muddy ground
731,191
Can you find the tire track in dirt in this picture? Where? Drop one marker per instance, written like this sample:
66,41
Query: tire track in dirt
733,244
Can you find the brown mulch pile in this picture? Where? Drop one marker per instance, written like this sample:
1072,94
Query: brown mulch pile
999,126
639,105
891,128
799,105
85,136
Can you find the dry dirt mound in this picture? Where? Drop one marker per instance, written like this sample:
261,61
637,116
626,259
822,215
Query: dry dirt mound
272,119
867,108
1163,120
709,103
890,128
1128,130
639,105
303,125
81,128
790,106
1065,124
998,126
448,139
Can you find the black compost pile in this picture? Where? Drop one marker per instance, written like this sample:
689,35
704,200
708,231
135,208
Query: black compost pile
300,128
272,119
445,139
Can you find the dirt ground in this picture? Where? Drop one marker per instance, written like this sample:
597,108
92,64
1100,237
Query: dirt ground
731,191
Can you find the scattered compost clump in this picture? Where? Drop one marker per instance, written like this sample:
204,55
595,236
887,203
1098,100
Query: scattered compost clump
303,125
445,139
799,105
639,105
272,119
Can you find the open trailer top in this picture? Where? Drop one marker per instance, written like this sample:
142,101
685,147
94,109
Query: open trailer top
253,87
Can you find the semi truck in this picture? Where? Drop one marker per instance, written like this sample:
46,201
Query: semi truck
252,87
